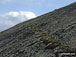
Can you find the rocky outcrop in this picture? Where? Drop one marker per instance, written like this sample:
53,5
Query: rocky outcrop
42,36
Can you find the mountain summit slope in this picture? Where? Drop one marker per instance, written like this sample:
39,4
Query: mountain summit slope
42,36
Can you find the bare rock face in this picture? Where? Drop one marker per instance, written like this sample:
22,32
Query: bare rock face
42,36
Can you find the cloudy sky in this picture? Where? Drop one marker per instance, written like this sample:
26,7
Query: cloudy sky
13,12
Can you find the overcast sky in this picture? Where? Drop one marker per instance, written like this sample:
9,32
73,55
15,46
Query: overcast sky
16,11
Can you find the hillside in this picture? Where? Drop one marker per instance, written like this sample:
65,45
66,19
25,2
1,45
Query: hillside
42,36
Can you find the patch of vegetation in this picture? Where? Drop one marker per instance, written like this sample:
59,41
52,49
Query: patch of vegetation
67,49
50,43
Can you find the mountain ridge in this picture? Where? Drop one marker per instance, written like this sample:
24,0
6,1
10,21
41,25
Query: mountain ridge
42,36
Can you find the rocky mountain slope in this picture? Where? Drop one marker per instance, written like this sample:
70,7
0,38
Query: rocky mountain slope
42,36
